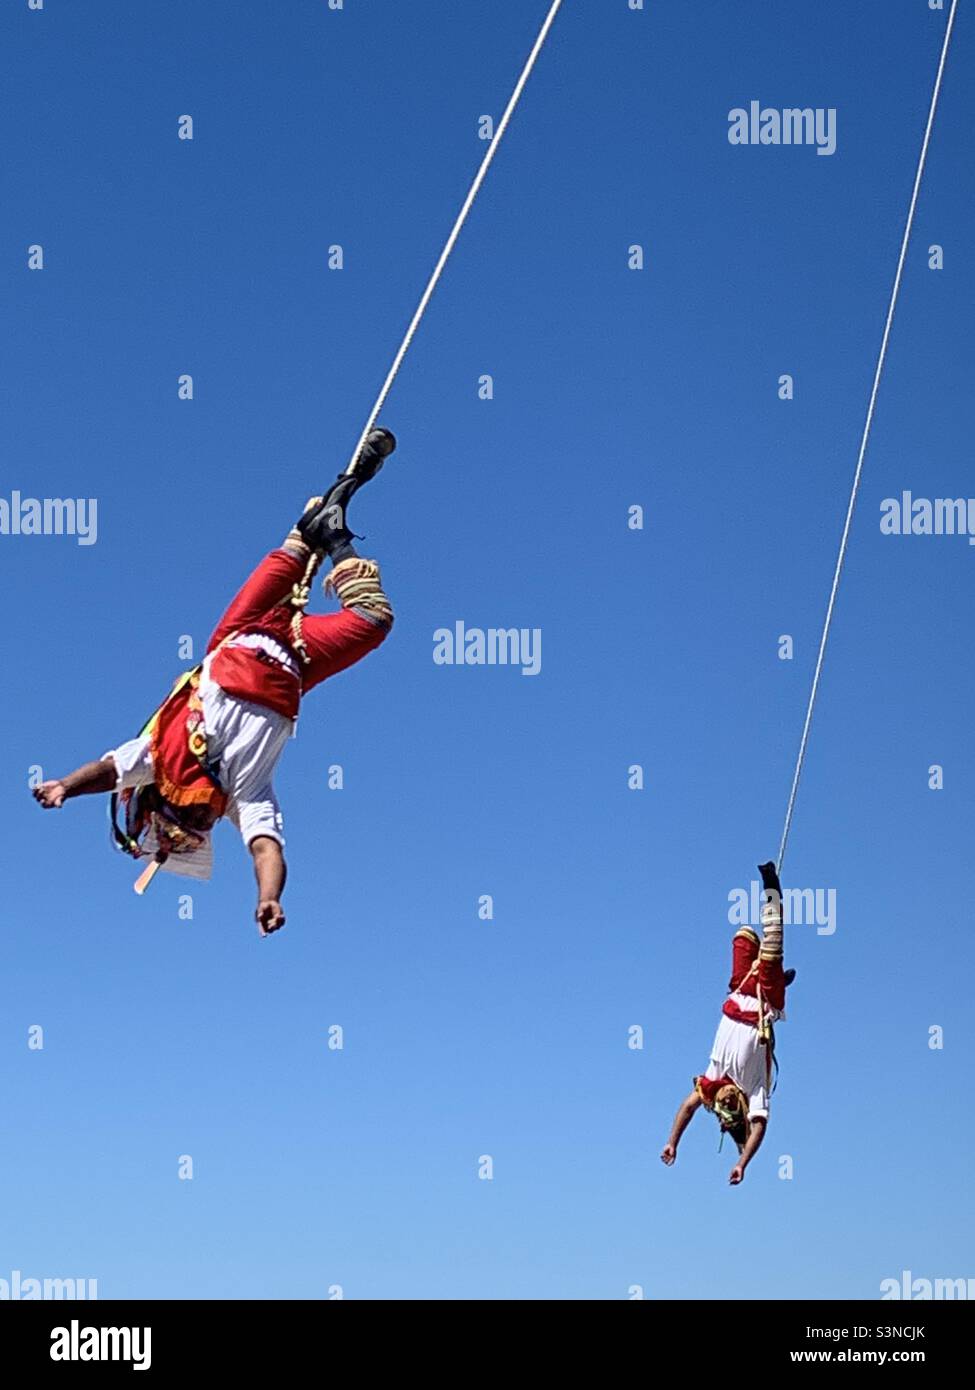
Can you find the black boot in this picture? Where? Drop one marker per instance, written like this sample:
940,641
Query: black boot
379,445
323,527
770,878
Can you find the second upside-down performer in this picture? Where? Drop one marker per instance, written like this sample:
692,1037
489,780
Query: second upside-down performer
738,1081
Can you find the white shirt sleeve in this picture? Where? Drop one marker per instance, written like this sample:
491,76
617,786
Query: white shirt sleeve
758,1104
257,813
133,762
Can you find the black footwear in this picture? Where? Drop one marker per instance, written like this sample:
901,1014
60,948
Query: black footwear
788,976
379,445
770,878
323,527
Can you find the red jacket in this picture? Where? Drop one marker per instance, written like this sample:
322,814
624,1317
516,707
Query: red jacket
744,980
333,641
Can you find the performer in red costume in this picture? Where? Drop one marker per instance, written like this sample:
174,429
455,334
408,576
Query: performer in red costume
737,1083
211,748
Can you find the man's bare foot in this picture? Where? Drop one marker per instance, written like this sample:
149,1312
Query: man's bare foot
270,916
50,795
669,1154
737,1174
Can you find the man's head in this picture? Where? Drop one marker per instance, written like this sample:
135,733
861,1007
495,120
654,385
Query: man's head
181,829
177,829
731,1108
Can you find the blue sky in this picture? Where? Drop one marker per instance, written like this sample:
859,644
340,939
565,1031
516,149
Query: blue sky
613,388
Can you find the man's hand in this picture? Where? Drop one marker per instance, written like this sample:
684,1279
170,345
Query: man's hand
756,1133
270,916
50,795
270,871
682,1119
99,776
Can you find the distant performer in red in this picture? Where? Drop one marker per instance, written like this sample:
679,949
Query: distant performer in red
737,1084
211,748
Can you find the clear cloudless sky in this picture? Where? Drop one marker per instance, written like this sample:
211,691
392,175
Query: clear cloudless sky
314,1167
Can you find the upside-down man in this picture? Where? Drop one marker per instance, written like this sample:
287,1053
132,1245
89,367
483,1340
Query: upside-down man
737,1083
211,748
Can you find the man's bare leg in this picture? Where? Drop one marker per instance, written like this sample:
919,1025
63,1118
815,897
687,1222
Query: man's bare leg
87,780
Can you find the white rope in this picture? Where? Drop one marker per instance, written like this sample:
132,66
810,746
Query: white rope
458,225
865,439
